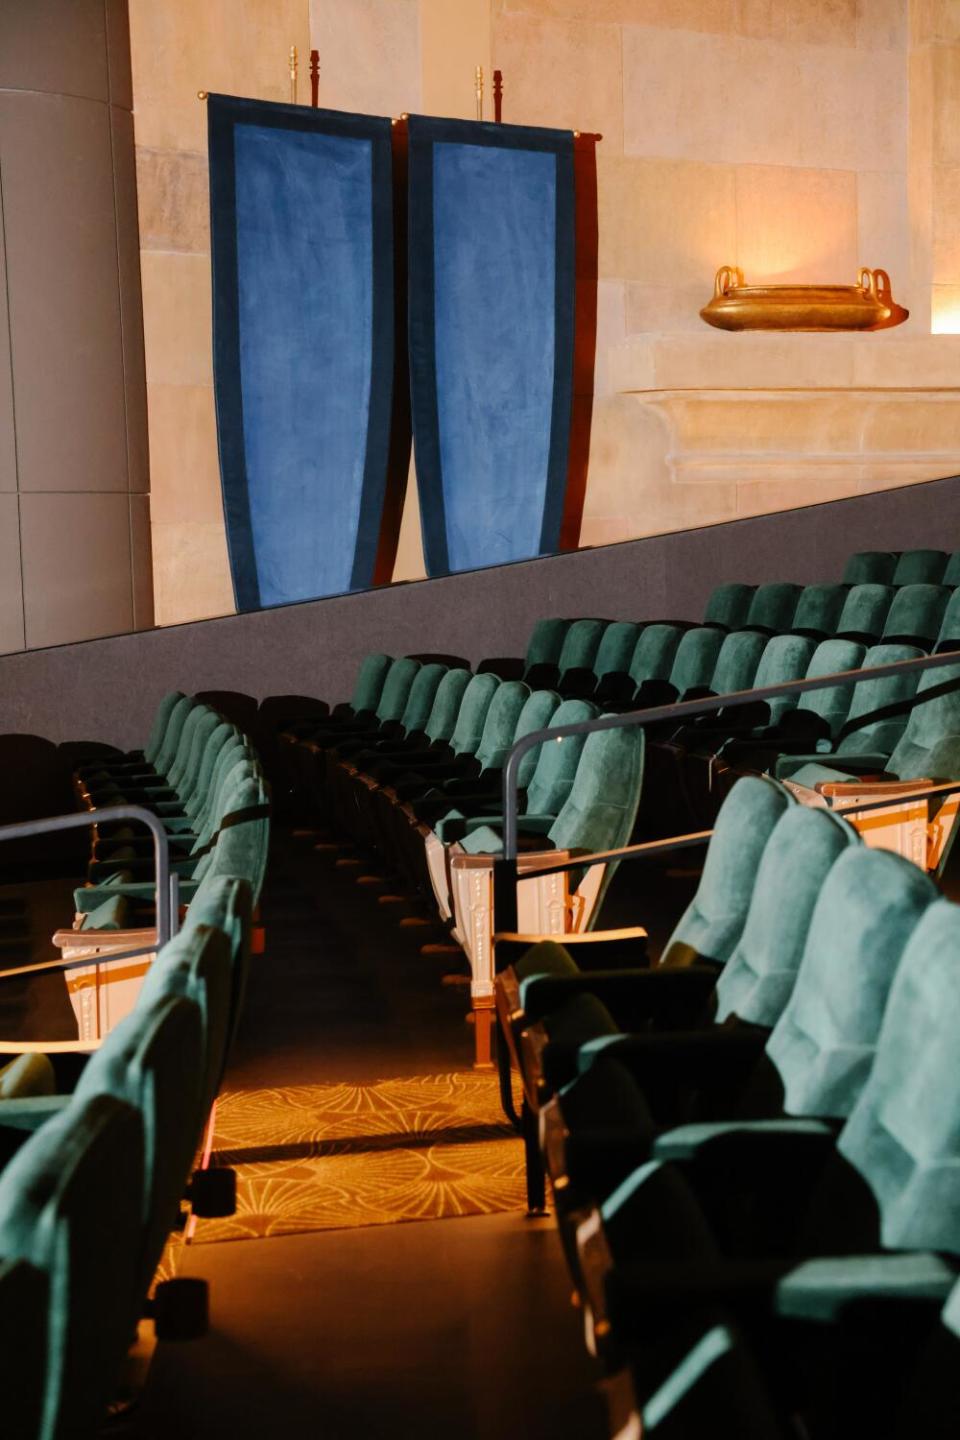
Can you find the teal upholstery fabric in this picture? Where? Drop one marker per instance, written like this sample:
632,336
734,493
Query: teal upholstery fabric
951,576
446,704
600,811
616,648
81,1174
824,1042
171,737
949,636
786,657
728,605
903,1135
225,734
712,923
653,653
476,701
865,611
537,713
546,642
369,682
818,609
225,903
932,720
920,567
831,657
197,965
161,720
867,567
396,688
557,761
696,657
737,661
916,614
757,980
580,645
773,606
500,723
420,697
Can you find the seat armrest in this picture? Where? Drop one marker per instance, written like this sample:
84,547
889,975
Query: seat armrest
592,949
687,1142
633,997
871,786
824,1289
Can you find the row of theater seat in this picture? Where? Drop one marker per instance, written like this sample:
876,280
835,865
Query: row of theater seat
98,1138
754,1145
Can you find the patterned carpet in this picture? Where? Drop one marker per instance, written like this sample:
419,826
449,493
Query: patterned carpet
328,1157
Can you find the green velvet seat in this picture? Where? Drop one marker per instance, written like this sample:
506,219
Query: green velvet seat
729,605
538,665
920,567
145,758
916,614
652,659
577,654
949,636
818,611
693,665
159,766
870,567
413,717
865,612
613,657
951,576
71,1216
180,781
773,606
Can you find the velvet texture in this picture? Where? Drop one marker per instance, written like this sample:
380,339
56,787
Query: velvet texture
546,642
773,605
757,980
477,698
935,718
786,657
616,648
446,704
903,1135
557,762
301,205
951,576
580,645
818,609
865,611
396,688
369,682
501,723
416,711
870,567
920,567
737,661
831,657
537,713
949,637
712,923
654,652
695,658
916,613
824,1042
491,296
729,605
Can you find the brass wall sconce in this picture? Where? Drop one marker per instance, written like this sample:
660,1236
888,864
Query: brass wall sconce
868,305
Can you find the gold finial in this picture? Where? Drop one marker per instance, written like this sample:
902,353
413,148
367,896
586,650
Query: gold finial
203,94
478,77
293,74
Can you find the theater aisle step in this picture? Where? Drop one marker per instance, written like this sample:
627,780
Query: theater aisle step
456,1326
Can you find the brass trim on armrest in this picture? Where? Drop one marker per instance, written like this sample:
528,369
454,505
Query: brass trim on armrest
587,937
94,939
49,1047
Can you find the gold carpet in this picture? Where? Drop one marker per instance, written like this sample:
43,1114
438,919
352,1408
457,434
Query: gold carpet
328,1157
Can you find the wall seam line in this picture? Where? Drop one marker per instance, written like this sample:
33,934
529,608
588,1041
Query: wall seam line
13,413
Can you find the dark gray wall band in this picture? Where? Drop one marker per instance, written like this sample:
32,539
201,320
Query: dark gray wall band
108,689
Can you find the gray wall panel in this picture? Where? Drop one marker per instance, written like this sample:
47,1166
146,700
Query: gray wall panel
76,566
8,443
314,648
55,45
141,557
131,302
11,598
118,53
64,300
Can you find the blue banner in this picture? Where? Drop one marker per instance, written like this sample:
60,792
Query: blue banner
301,205
492,306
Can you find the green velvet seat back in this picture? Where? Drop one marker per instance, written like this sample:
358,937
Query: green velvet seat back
199,719
786,657
903,1135
600,811
824,1042
420,696
446,704
197,965
831,657
242,767
537,713
737,661
653,653
171,735
396,688
865,611
546,642
712,923
870,567
951,576
224,734
773,605
696,658
369,682
818,609
920,567
161,720
154,1061
916,614
949,635
243,838
886,699
186,781
615,648
931,722
225,903
580,645
71,1209
557,760
472,713
729,605
500,723
756,982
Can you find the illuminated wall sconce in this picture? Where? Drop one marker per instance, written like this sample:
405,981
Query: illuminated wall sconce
868,305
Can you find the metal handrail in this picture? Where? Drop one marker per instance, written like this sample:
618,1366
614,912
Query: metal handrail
685,709
83,819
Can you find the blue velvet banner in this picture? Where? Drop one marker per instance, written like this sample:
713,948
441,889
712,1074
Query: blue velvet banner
491,297
303,304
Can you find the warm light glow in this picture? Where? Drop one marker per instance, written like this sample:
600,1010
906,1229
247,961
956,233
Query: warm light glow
946,317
